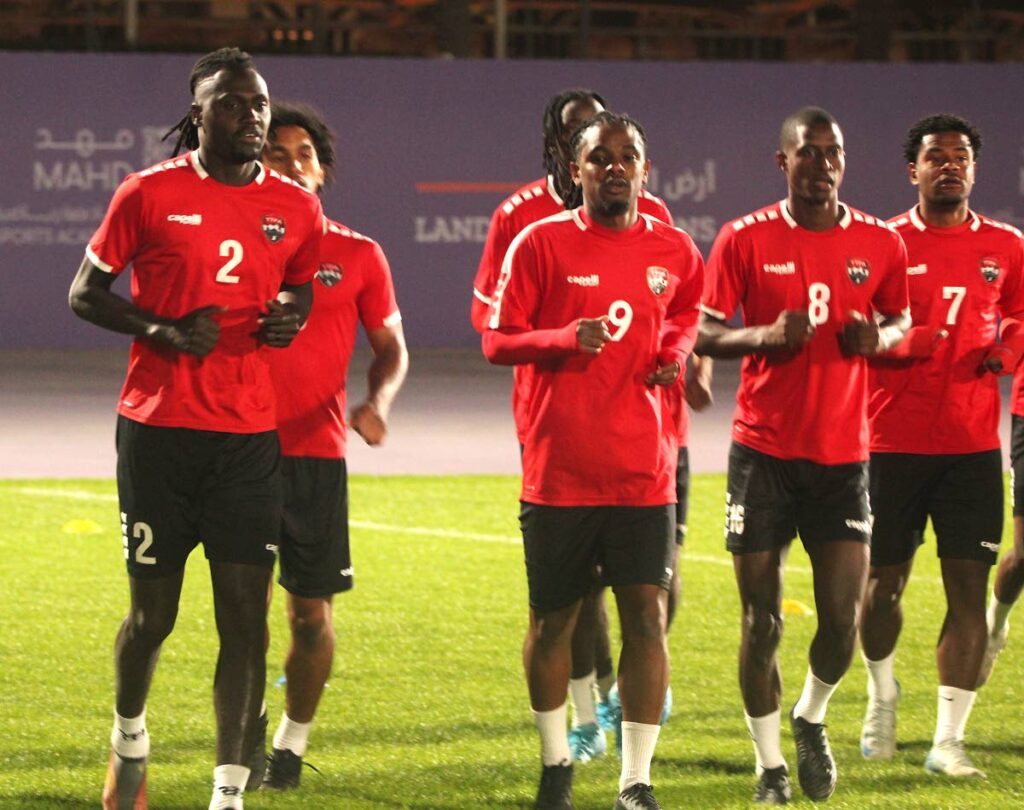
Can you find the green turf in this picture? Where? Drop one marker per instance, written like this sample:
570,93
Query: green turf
427,707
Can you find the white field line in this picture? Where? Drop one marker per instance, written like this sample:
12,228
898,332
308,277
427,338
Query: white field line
419,531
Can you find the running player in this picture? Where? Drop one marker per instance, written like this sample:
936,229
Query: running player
601,302
353,285
222,256
935,433
808,274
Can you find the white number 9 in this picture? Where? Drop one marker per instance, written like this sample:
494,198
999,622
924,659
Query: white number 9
620,314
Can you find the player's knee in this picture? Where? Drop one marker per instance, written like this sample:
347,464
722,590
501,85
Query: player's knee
311,629
762,630
840,629
645,623
150,627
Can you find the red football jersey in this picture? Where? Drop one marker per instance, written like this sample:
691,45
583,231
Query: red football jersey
194,242
811,405
532,203
352,285
961,279
596,433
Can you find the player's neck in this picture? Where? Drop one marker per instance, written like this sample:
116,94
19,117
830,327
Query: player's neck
228,173
943,216
619,222
814,216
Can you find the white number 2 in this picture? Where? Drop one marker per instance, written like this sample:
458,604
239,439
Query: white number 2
232,251
957,295
819,295
620,314
143,530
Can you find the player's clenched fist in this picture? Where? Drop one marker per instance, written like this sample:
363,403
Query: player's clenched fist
280,324
791,330
195,333
592,334
860,336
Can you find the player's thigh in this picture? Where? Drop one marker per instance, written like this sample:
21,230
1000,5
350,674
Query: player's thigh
760,512
314,552
967,507
242,500
637,545
560,549
157,473
900,485
833,502
682,493
1017,464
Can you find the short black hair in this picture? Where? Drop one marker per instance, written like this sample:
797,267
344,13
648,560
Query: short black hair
297,114
943,122
205,67
809,116
604,118
553,129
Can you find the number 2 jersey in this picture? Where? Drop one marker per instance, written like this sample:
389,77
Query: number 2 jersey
811,404
194,242
595,433
962,279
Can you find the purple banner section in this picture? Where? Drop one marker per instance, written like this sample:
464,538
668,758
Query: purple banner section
426,147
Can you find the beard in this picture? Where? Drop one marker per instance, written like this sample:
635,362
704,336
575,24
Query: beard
612,208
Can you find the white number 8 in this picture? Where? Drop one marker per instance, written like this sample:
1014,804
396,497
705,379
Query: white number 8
620,314
819,294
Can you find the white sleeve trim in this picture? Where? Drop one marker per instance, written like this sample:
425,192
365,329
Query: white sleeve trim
714,313
480,296
102,265
393,319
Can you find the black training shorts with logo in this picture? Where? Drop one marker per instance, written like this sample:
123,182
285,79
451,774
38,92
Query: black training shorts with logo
769,501
178,487
314,548
633,545
962,493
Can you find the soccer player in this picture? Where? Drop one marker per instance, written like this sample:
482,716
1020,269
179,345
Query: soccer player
353,285
934,415
601,302
808,274
222,256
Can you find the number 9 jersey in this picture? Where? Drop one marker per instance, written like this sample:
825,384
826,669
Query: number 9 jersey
194,242
597,434
811,404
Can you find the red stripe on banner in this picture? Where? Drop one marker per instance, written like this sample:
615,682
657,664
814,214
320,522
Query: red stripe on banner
457,187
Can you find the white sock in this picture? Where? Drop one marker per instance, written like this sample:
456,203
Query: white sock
638,742
129,737
814,699
581,694
881,681
954,709
554,742
605,684
292,736
998,612
767,738
228,787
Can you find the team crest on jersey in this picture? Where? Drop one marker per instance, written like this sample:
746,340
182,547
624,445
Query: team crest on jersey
329,274
273,227
657,279
858,270
989,267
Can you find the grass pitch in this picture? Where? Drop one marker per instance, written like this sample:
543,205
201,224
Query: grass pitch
427,707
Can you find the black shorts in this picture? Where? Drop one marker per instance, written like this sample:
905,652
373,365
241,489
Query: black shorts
633,545
962,493
314,550
178,487
1017,464
769,501
682,493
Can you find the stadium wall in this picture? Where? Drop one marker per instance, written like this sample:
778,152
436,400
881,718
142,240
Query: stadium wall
427,149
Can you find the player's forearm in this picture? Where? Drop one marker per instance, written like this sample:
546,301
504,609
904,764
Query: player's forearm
716,339
515,348
677,341
110,311
892,330
385,376
298,295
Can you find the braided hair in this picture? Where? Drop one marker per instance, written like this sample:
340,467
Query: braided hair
553,128
204,68
574,197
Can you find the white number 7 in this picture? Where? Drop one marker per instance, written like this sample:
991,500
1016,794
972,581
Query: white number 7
957,295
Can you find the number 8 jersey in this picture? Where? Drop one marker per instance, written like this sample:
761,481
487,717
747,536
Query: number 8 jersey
596,433
193,242
811,404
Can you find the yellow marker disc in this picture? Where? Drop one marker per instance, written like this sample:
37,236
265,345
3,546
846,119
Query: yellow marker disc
794,607
81,526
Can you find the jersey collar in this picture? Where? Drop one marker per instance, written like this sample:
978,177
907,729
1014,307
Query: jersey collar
552,193
584,223
197,166
844,220
921,225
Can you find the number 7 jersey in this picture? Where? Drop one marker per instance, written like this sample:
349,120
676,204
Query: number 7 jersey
194,242
810,404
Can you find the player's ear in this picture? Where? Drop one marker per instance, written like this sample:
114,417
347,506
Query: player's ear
647,171
574,172
780,160
912,173
196,114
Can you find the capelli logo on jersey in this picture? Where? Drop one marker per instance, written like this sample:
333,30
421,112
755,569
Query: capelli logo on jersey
273,228
657,279
329,274
917,269
186,219
593,280
783,269
989,267
858,270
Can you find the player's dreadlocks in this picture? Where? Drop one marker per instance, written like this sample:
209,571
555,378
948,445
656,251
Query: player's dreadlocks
555,163
574,198
204,68
295,114
944,122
